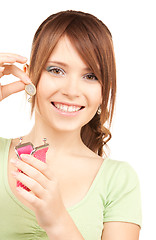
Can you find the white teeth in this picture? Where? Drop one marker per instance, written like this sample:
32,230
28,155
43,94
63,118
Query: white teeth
66,108
70,109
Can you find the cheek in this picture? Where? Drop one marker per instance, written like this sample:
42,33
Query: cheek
42,94
96,95
45,86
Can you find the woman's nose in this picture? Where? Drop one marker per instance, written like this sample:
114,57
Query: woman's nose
71,87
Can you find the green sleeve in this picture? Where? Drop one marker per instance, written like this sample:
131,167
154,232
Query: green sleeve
123,201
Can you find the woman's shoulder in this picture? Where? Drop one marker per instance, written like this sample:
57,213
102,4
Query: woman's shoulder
119,166
3,141
113,170
4,145
7,143
118,175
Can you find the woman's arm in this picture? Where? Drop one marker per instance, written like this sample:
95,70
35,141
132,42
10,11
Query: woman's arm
120,231
65,230
122,213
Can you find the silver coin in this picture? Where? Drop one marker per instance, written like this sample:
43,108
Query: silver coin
30,89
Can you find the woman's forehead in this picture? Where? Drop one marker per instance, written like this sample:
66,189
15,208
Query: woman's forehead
66,53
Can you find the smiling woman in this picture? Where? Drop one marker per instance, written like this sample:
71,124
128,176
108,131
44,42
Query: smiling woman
71,191
93,42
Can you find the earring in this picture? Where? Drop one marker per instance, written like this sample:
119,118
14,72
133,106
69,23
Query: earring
30,90
99,110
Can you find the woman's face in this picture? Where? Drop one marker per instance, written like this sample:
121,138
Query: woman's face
68,93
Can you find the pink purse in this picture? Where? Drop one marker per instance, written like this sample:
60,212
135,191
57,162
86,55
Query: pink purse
28,148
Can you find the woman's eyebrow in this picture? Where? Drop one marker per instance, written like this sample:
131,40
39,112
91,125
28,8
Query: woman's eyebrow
66,65
59,63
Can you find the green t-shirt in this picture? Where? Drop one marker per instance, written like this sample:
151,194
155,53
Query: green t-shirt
113,196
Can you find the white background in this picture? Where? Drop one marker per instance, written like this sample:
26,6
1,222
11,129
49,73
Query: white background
133,26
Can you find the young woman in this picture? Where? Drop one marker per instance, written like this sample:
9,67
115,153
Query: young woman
78,193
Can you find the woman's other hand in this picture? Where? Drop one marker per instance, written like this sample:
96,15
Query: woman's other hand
7,67
44,198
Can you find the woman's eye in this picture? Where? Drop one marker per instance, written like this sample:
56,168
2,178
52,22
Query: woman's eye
90,76
55,70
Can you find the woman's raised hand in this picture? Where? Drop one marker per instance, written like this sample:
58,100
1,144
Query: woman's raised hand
7,67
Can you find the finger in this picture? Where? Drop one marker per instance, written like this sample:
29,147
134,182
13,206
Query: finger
29,197
33,185
11,58
7,90
15,55
30,171
17,72
1,71
37,164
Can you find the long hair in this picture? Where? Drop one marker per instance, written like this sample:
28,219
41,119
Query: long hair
93,41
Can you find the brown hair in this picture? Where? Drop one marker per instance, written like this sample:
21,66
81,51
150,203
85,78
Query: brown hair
93,41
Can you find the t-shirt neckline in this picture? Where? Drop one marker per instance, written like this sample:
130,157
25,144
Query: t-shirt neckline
11,194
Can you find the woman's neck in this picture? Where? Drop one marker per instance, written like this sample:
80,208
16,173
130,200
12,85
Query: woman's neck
60,142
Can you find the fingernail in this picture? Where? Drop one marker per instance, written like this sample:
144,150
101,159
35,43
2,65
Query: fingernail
25,156
14,173
28,80
14,161
19,188
24,58
2,69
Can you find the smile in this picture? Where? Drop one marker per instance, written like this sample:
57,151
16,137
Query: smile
67,108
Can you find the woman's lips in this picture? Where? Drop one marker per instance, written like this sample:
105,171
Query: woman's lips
67,109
